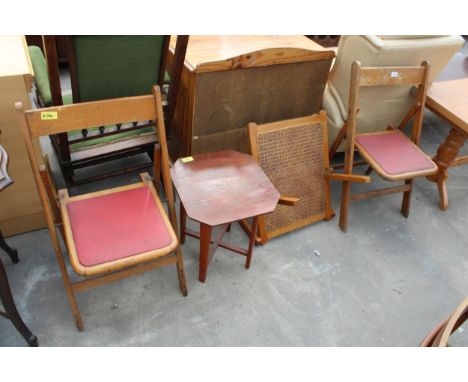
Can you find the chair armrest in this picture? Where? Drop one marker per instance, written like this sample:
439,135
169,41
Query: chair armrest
288,200
348,177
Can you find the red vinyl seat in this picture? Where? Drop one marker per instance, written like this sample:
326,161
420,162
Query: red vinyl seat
393,155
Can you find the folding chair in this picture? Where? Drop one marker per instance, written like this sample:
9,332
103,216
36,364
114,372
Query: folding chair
117,232
294,155
389,153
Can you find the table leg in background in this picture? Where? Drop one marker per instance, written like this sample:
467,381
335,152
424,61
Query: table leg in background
446,154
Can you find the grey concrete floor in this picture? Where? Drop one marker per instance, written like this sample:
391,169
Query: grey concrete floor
386,282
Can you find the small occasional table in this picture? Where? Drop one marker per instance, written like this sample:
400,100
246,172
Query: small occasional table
449,100
217,189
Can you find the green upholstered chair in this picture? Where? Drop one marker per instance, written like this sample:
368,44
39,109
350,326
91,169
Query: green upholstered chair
106,67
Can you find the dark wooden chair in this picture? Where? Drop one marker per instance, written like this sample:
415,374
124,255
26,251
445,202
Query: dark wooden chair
107,67
392,155
5,292
114,233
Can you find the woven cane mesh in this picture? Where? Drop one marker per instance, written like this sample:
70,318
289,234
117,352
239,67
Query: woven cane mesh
293,160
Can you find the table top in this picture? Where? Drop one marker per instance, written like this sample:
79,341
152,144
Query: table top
449,99
223,187
203,51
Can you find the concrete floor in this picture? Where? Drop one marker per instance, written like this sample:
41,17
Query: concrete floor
386,282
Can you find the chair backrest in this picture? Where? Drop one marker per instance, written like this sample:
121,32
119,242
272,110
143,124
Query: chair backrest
5,180
293,154
106,67
62,119
383,78
384,105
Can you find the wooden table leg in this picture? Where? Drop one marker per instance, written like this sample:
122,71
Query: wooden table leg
183,223
205,240
446,154
13,253
253,235
10,309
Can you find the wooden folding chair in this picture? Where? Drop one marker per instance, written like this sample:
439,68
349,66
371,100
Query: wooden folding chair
389,153
117,232
294,155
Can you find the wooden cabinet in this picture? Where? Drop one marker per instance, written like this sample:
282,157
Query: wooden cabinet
20,207
229,81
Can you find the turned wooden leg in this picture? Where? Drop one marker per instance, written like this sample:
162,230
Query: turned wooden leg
253,235
345,195
12,252
11,311
183,223
446,154
205,240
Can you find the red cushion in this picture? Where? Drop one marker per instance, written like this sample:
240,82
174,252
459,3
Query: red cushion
394,152
117,225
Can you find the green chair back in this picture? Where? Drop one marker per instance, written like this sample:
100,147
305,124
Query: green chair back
116,66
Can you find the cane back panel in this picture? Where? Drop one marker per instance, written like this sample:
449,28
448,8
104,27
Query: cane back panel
294,155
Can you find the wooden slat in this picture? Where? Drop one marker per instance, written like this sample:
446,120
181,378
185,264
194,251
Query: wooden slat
348,177
459,161
385,191
91,114
116,276
397,75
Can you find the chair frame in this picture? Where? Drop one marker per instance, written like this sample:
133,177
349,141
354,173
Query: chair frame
379,76
291,200
61,142
85,115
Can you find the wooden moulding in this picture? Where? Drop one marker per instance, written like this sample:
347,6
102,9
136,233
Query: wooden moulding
265,57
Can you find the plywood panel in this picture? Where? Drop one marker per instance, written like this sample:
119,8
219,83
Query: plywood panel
20,207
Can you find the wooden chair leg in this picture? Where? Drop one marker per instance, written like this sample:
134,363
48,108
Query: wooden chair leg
181,272
69,290
345,196
11,311
405,206
12,252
